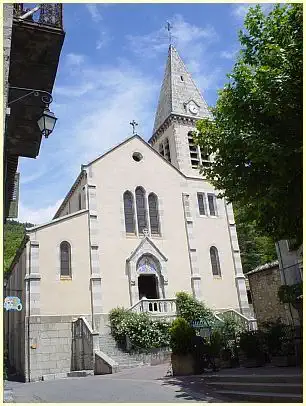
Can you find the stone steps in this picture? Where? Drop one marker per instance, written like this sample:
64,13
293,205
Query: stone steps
125,360
293,388
258,387
268,397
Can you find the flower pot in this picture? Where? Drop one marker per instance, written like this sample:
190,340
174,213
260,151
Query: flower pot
283,360
182,364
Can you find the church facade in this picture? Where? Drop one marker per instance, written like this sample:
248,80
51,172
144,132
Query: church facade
139,222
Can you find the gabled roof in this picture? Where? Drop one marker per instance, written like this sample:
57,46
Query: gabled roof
146,240
178,88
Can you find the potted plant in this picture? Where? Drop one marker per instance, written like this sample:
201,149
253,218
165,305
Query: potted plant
181,337
251,352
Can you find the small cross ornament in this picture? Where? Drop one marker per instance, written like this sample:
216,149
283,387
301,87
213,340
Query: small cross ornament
133,124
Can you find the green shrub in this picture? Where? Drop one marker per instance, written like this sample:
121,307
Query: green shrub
216,344
181,335
252,343
143,332
192,309
279,338
291,294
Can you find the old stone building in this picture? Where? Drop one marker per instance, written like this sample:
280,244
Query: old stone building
130,234
264,282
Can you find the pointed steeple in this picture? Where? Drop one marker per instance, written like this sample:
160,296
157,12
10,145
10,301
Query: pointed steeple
177,92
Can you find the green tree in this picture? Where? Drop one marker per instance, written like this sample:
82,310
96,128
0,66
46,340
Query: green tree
256,131
13,235
255,248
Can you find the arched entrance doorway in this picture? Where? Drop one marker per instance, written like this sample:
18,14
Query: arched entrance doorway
149,281
148,286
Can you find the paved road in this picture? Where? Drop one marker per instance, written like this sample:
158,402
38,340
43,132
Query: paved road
143,384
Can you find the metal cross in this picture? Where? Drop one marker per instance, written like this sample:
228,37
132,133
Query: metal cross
133,124
169,27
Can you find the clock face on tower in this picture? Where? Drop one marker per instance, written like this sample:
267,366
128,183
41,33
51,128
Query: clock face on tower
193,108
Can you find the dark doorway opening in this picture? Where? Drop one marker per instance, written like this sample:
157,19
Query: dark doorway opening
148,287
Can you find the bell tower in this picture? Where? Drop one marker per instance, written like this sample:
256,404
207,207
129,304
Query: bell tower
179,107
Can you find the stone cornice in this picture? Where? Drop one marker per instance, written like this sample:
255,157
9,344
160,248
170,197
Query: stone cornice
185,120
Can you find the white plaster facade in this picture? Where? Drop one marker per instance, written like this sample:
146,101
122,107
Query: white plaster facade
105,259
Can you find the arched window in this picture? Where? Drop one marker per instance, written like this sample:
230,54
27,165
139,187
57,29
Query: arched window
65,258
194,151
161,149
141,209
129,212
80,201
153,213
215,264
167,150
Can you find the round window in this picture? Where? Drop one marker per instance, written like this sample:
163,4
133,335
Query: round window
137,156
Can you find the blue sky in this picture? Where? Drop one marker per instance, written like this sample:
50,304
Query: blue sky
110,72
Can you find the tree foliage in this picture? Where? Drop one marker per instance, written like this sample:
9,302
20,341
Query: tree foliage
13,235
255,249
256,132
192,309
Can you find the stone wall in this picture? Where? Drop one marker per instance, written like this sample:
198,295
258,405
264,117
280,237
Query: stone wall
50,347
264,285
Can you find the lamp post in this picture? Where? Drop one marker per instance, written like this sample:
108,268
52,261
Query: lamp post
47,120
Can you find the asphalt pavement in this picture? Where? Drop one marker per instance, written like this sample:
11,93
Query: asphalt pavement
142,384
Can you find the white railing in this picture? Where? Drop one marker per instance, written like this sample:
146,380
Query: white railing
249,323
155,306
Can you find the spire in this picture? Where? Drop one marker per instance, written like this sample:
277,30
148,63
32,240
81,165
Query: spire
178,89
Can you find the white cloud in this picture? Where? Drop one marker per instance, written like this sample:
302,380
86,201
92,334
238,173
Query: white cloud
240,10
228,54
37,215
192,42
74,59
100,103
94,12
103,40
189,38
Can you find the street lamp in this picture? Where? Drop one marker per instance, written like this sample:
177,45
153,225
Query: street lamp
47,120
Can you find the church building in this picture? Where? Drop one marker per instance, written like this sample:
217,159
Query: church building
139,223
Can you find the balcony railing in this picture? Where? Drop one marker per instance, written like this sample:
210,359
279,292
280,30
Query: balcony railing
45,14
155,306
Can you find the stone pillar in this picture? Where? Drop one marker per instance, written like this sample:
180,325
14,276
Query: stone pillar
33,278
195,273
95,277
239,276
